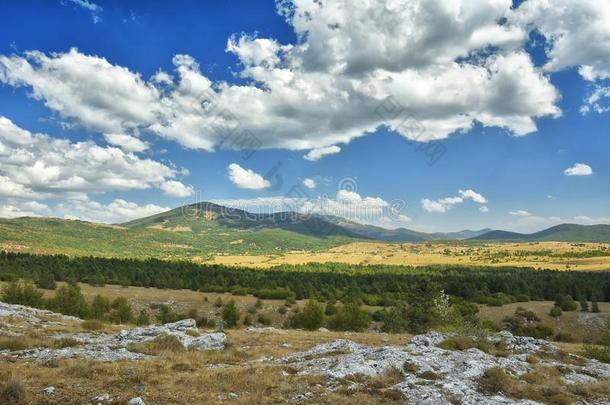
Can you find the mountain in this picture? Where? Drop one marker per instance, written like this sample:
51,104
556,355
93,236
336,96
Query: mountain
198,231
559,233
401,234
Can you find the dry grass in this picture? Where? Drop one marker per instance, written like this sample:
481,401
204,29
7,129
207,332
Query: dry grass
524,254
542,384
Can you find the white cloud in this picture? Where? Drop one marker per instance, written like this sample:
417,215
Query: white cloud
444,204
115,212
173,188
126,142
484,209
309,183
577,33
579,169
246,178
520,213
598,101
319,153
38,166
16,209
93,8
448,65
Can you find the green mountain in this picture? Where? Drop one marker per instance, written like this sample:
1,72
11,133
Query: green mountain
559,233
196,231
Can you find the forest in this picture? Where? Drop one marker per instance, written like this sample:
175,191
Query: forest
372,285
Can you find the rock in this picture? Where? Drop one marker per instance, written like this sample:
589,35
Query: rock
324,330
136,401
102,398
233,395
458,371
49,391
210,341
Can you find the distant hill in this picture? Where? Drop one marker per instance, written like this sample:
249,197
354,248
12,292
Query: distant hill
559,233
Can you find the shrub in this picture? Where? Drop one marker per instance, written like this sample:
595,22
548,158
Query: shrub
310,318
430,375
230,315
566,303
247,320
218,303
584,305
13,393
13,344
167,315
69,300
555,311
121,311
264,320
168,343
496,380
143,318
522,298
395,320
100,307
92,325
274,293
46,281
282,310
601,353
330,309
23,293
465,343
563,337
350,317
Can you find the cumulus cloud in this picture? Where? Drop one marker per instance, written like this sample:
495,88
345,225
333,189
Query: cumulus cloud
569,26
246,178
117,211
579,169
319,153
355,67
88,5
309,183
126,142
16,209
445,204
173,188
484,209
37,166
598,101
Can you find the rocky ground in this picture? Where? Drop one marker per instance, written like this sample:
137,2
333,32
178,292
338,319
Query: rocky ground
428,369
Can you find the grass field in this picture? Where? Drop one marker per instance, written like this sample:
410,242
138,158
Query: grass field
547,255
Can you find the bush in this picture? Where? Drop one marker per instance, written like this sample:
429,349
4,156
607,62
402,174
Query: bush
264,320
601,353
69,300
13,393
23,293
465,343
566,303
330,309
46,281
92,325
143,318
169,343
121,311
274,293
310,318
218,303
563,337
230,315
495,380
555,311
350,317
247,320
395,320
100,307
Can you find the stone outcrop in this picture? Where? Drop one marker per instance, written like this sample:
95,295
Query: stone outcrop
456,372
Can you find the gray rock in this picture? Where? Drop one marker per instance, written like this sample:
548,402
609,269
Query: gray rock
136,401
102,397
49,391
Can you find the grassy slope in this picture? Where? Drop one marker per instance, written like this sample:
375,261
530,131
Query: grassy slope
47,235
559,233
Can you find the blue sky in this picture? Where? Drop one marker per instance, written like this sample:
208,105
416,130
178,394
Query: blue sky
507,140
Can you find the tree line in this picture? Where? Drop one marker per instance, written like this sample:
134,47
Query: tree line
374,284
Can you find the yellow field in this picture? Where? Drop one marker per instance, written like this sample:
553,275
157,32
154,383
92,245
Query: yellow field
531,254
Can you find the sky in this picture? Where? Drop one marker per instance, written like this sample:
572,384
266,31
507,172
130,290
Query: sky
432,115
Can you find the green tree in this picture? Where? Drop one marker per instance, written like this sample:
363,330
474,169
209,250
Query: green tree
46,281
230,314
143,318
555,311
310,318
23,293
395,320
100,307
350,317
69,300
121,311
330,309
566,302
584,305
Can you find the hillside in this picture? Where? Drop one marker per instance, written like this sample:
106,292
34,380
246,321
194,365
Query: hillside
559,233
161,237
